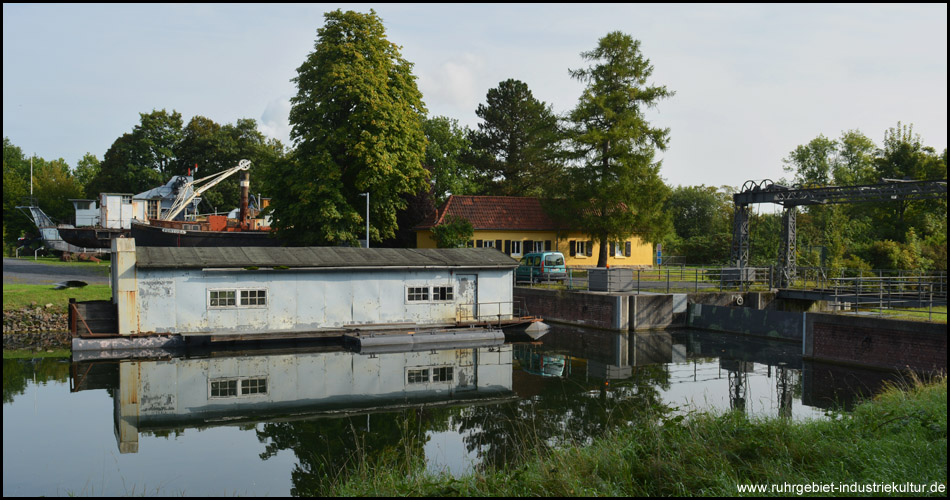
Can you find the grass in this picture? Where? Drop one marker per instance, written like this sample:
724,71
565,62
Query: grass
30,354
935,315
900,436
99,266
16,296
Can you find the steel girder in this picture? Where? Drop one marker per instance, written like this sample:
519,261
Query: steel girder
768,192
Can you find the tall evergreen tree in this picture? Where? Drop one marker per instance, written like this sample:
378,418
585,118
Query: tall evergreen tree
616,189
516,146
357,126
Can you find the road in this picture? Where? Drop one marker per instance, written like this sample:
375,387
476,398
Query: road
28,272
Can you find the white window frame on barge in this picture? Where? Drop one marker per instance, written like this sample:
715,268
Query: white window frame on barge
239,297
244,387
415,293
426,375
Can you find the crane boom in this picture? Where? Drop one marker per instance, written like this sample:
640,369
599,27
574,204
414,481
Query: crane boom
184,199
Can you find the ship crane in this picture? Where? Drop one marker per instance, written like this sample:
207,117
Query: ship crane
183,198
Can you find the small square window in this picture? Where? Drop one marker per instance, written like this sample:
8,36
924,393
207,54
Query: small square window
223,388
442,293
221,298
443,374
253,298
254,386
418,293
420,376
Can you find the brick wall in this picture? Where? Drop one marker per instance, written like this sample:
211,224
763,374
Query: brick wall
876,342
596,310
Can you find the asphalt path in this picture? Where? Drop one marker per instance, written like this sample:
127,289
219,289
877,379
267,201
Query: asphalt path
29,272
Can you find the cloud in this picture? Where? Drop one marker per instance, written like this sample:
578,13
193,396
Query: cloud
275,120
453,85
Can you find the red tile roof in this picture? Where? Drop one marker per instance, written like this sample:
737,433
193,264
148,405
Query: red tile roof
496,213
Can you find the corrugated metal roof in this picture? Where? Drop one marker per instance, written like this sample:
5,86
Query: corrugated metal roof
319,257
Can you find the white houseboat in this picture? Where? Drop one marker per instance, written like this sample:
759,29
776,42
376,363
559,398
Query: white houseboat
261,292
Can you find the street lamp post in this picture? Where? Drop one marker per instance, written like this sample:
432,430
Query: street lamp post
367,217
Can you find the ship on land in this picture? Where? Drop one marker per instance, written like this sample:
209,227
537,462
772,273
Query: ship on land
160,217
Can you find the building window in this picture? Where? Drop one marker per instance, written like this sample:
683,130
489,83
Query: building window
515,247
224,388
442,293
443,374
488,244
418,376
228,298
228,388
253,298
418,293
618,249
152,209
253,386
221,298
581,248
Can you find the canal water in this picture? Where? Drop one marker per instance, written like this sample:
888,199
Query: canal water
292,421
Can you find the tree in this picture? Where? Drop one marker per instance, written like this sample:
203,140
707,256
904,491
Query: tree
702,220
86,170
357,127
123,169
447,148
812,163
854,164
159,132
453,232
616,189
143,159
53,186
516,146
213,148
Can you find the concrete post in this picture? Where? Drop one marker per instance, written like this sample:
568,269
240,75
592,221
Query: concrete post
125,285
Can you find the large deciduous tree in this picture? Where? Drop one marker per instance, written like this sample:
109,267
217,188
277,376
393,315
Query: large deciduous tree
447,149
53,184
616,189
516,144
357,126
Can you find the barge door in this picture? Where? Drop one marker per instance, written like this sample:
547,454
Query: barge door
467,297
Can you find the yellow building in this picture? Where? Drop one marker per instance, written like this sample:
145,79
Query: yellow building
519,225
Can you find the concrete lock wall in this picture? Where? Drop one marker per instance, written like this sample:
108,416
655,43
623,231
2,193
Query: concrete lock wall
620,312
650,311
745,320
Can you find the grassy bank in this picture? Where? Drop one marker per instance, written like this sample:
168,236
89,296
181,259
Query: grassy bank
31,354
17,296
899,437
936,314
101,267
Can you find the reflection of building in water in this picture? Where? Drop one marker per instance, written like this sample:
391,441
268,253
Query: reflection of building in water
608,355
180,392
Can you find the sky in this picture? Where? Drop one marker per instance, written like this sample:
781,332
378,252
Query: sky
751,82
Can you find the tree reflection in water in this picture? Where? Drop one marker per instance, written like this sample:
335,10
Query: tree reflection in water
329,450
574,409
553,411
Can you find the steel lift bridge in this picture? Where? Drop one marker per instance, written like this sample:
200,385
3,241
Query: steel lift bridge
790,198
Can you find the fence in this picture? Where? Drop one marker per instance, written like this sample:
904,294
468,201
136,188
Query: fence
667,279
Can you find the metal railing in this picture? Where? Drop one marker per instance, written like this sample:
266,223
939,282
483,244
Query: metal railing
490,312
670,279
